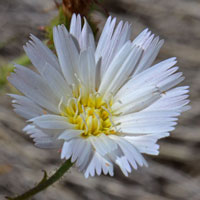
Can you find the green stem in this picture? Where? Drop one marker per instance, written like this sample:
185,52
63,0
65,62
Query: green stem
46,182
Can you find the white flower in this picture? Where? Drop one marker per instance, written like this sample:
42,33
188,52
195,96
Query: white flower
103,104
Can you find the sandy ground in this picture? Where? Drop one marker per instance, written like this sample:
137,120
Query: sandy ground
173,175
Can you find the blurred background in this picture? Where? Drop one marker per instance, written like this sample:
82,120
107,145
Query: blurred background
173,175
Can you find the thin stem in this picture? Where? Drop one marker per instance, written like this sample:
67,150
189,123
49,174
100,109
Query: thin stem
46,182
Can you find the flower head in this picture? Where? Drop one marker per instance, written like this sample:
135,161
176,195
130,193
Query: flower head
104,104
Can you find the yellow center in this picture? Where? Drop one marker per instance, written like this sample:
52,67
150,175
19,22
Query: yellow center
89,113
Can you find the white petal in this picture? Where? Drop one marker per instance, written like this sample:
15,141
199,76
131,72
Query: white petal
141,38
114,40
97,163
78,146
85,156
120,36
105,36
150,121
46,143
34,87
141,103
172,100
87,68
41,139
130,152
134,97
171,81
151,76
98,74
123,164
146,115
56,82
151,49
66,150
147,129
114,67
25,107
40,54
67,53
52,122
102,144
70,134
125,70
147,144
87,38
75,26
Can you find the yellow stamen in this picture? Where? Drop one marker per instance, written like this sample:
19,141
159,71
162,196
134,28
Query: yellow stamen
90,113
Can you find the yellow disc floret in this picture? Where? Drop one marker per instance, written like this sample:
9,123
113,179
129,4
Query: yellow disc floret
89,113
